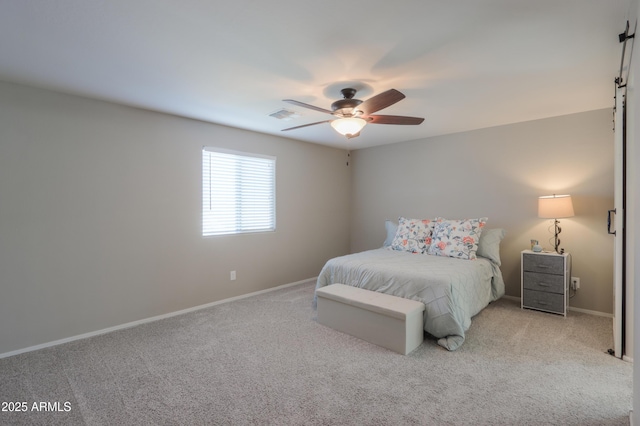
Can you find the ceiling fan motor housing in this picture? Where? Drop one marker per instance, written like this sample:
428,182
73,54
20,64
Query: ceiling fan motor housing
346,107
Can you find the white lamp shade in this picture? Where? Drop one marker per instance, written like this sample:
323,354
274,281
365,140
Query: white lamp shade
555,206
348,126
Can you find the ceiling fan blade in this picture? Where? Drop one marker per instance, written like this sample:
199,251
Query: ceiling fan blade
302,104
306,125
381,101
394,119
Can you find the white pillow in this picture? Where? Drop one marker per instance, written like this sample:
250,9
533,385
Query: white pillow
413,235
456,238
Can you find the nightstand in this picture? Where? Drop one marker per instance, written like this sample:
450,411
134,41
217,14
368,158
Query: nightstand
545,281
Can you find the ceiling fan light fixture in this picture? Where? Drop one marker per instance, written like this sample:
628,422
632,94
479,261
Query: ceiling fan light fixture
348,126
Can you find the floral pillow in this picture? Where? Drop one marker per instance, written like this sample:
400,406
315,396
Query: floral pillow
413,235
457,238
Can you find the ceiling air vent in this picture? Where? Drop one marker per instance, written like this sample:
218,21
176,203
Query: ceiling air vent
284,114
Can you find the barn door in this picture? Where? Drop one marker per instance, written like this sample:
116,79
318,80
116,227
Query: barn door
616,224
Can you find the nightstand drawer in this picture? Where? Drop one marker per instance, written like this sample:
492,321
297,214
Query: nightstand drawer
551,302
542,263
543,282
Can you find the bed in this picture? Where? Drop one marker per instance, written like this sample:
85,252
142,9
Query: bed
453,290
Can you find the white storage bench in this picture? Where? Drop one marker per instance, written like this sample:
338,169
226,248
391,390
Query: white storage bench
388,321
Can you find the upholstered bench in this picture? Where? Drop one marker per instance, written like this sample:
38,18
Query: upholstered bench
388,321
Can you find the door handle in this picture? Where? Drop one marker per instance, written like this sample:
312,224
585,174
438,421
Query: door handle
609,222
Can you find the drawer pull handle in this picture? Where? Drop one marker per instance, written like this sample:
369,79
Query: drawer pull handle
544,285
543,266
541,303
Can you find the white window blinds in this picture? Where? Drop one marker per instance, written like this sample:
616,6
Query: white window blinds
238,192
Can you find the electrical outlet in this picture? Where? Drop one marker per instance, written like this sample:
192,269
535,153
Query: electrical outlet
575,283
232,276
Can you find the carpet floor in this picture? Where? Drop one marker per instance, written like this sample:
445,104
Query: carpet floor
264,360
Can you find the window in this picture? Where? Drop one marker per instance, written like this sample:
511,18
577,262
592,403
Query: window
238,192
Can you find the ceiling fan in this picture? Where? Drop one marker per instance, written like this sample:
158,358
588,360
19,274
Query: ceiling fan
353,114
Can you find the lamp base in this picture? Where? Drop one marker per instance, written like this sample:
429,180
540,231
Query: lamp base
558,230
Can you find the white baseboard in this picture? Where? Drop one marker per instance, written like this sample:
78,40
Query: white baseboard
570,308
590,312
147,320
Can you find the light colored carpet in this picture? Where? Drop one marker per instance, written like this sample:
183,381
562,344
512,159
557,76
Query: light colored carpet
264,360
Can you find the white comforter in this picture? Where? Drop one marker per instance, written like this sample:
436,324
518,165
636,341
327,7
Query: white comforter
452,290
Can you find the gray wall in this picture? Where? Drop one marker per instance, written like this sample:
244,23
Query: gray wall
100,216
499,172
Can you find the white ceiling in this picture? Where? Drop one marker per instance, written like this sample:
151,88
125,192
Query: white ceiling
463,64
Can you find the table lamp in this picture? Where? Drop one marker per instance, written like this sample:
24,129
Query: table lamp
555,207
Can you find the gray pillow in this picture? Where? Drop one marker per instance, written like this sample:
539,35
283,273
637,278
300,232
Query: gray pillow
391,228
489,244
